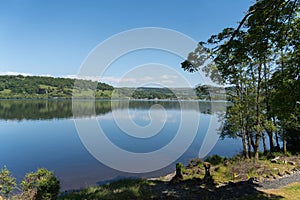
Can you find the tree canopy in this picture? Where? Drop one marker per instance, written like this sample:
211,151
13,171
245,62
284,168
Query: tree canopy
260,59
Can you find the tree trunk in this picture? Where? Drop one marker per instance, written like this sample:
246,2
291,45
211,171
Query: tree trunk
249,145
264,144
245,152
284,144
268,107
256,152
277,141
258,114
252,142
271,140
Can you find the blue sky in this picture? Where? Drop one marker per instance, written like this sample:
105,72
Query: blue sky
53,37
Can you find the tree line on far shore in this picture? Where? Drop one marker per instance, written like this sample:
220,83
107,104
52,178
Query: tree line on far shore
42,87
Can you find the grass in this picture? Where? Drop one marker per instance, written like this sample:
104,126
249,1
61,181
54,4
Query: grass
291,191
193,184
122,189
239,169
47,87
5,91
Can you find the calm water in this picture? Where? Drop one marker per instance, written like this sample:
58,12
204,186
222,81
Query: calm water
41,133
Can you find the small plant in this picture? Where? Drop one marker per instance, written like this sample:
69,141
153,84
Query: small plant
289,154
7,182
43,183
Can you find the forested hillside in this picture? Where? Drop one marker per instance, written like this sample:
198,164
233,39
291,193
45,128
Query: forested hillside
155,93
48,87
37,87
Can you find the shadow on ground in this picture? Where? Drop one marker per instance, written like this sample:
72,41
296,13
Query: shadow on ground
205,189
175,189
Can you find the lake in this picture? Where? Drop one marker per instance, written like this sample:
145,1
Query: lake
49,133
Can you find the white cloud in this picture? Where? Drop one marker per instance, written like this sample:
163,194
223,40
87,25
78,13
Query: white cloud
168,77
168,82
92,78
134,80
23,74
70,76
147,78
118,80
140,81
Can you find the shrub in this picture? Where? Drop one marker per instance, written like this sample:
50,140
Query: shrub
7,182
214,160
43,183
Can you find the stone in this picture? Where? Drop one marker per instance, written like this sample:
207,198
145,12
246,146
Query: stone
295,170
280,174
251,180
196,161
275,160
291,163
226,163
217,169
287,172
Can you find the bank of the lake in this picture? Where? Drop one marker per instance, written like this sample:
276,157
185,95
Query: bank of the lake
234,178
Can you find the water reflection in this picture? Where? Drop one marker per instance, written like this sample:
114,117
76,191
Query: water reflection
62,109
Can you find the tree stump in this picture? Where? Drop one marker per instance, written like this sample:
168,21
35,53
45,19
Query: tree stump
179,167
207,169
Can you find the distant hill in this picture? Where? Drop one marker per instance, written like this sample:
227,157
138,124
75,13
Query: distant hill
37,87
48,87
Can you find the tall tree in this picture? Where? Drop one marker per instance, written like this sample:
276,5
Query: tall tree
247,58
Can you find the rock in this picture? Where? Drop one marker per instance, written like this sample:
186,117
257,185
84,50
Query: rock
280,174
275,160
291,163
217,169
251,180
258,179
194,162
295,170
287,172
226,163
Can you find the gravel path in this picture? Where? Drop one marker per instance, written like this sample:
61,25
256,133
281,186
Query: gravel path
274,184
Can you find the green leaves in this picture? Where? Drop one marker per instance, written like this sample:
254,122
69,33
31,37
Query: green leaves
260,60
43,182
7,182
40,185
